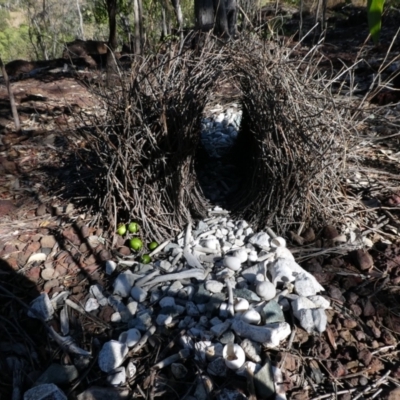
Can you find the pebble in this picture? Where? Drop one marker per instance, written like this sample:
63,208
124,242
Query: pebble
232,263
266,290
123,283
264,381
138,294
272,312
214,286
112,355
117,377
47,391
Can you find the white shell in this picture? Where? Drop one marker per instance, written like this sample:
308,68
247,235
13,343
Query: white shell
91,304
232,263
233,355
241,254
210,244
266,290
278,242
251,317
241,304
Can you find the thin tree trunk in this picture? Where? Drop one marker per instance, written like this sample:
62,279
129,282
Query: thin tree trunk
12,99
138,50
80,20
221,25
204,13
141,27
164,31
112,40
179,17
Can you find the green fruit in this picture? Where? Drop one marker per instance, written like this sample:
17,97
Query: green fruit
121,229
135,244
145,259
153,245
133,227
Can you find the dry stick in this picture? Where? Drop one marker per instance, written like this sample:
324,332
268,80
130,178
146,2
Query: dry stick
12,99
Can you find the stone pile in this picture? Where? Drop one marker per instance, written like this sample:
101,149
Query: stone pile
227,286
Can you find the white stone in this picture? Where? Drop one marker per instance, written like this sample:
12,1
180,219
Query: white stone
41,308
241,305
241,254
138,294
252,350
320,301
112,355
132,306
110,267
285,270
96,291
130,337
304,286
163,319
260,239
116,317
251,317
210,244
250,273
91,304
117,377
232,263
214,286
284,253
253,256
301,303
266,290
269,335
123,283
131,370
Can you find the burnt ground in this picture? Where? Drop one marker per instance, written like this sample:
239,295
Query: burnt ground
45,213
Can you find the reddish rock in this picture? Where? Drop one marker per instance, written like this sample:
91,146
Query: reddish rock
329,232
338,369
335,293
83,248
13,263
360,336
308,235
105,313
85,231
41,210
105,255
70,235
36,238
33,274
33,247
90,260
365,356
363,259
125,251
61,269
6,207
349,323
50,285
90,268
356,309
48,241
394,394
368,308
8,249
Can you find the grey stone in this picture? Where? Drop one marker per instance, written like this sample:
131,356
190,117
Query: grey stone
227,394
117,377
264,381
272,312
219,329
191,309
48,391
217,367
246,294
123,283
58,374
250,273
104,393
227,337
202,296
215,301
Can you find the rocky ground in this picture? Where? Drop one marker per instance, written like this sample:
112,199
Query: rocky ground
48,244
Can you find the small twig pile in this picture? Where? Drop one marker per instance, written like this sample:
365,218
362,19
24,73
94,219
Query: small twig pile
291,147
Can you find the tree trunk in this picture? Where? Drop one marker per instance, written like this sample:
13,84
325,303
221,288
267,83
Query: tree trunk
112,40
80,20
138,42
179,17
204,14
11,96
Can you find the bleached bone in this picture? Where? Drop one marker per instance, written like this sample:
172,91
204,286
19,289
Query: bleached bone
190,273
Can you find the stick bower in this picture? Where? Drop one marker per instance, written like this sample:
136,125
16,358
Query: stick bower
290,148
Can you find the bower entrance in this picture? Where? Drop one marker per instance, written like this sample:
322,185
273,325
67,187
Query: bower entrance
289,150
